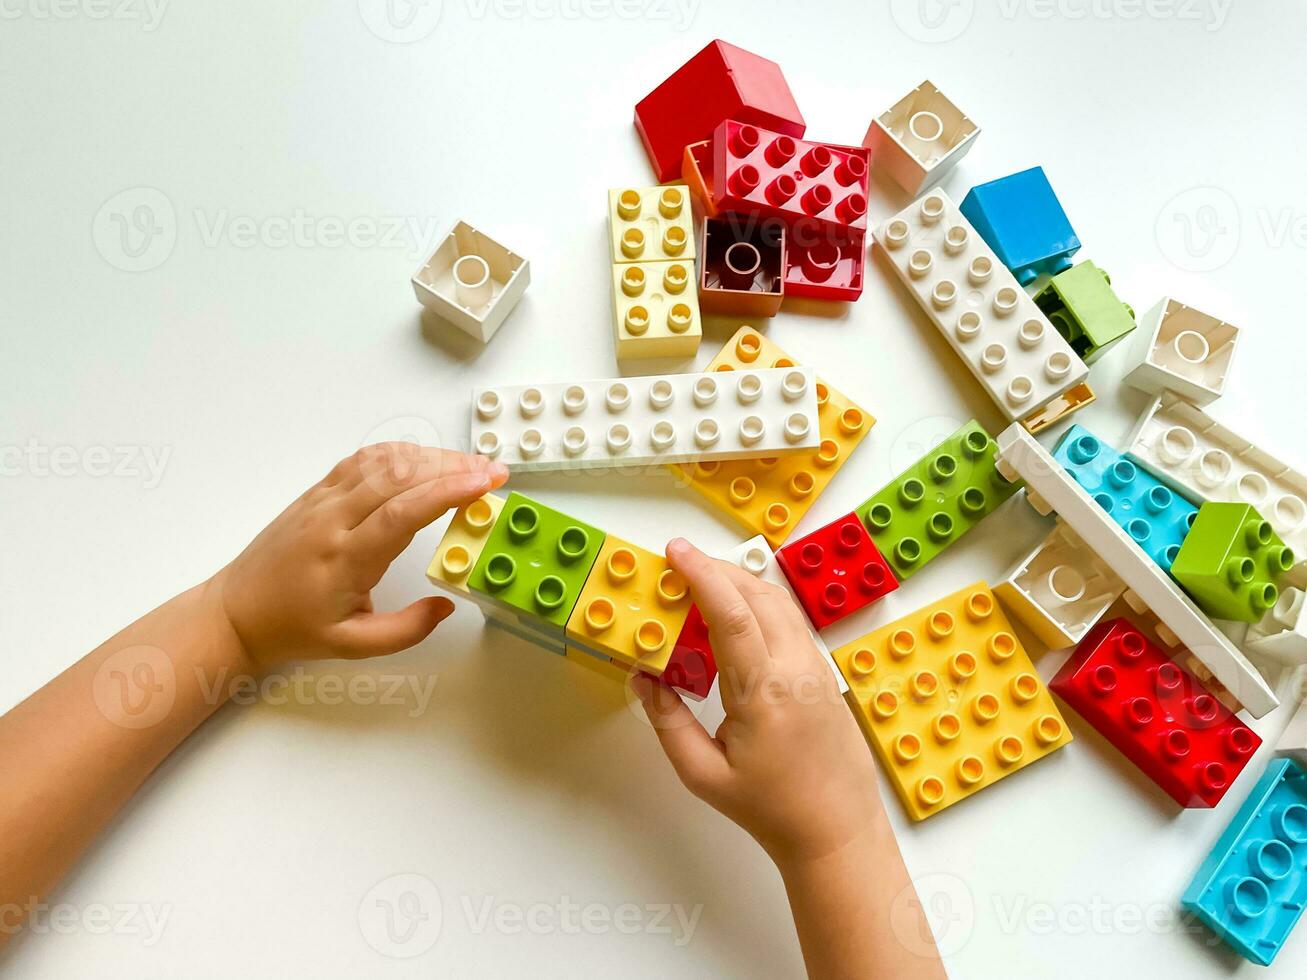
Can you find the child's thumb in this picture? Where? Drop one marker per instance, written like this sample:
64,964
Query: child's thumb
695,755
377,634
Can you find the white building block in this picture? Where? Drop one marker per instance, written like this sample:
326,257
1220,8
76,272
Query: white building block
1049,488
756,558
920,138
631,422
472,281
976,303
1293,741
1282,633
1060,590
1180,349
1204,460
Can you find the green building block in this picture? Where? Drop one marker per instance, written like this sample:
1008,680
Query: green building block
535,561
1230,561
936,500
1082,308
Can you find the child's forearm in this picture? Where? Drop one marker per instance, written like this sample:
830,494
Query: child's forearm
75,751
857,914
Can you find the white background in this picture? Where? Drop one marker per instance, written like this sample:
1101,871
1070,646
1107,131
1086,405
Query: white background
254,363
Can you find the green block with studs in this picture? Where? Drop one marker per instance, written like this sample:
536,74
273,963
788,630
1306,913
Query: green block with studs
1230,562
535,561
936,500
1082,308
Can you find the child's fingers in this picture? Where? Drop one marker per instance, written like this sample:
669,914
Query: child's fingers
377,634
696,756
390,469
730,618
387,531
778,617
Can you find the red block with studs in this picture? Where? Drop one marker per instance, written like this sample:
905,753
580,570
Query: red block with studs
766,172
1156,713
836,570
822,262
720,82
692,669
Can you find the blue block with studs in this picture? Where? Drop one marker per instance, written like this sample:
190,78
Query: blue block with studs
1022,220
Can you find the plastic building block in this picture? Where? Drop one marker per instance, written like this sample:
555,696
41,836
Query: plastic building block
770,495
920,138
1071,400
765,172
1282,633
655,310
742,266
631,608
720,82
692,667
1156,518
1293,740
1184,350
949,700
1049,488
1252,887
605,667
535,561
1023,222
1230,562
1156,713
1060,590
646,420
986,317
472,281
1082,307
1187,449
650,224
936,500
824,263
696,171
464,540
836,570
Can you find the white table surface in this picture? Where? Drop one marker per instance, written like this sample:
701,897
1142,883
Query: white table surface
544,830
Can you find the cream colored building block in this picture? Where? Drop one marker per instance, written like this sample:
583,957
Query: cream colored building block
651,224
1184,350
1293,741
920,138
655,310
472,281
464,540
1282,633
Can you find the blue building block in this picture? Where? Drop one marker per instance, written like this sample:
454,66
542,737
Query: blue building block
1023,222
1251,889
1152,514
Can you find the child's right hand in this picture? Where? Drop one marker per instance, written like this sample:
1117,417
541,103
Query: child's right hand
789,764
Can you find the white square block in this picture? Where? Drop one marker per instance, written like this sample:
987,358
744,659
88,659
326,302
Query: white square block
920,138
1293,741
1184,350
472,281
1049,487
1282,633
977,304
1060,590
647,421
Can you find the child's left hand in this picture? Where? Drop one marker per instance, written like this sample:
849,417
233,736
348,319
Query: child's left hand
302,587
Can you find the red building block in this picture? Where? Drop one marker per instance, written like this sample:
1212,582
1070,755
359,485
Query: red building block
758,170
696,171
692,669
836,570
720,82
1156,713
822,262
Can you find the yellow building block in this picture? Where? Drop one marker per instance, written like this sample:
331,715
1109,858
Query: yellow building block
651,224
632,607
461,546
949,700
603,666
656,310
769,496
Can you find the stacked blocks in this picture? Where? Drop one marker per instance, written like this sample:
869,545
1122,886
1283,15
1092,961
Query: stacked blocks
770,495
949,700
1023,222
920,138
655,301
1252,887
742,266
759,171
1183,350
935,501
720,82
1230,562
1156,518
631,608
1082,307
836,570
1156,713
472,281
464,541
